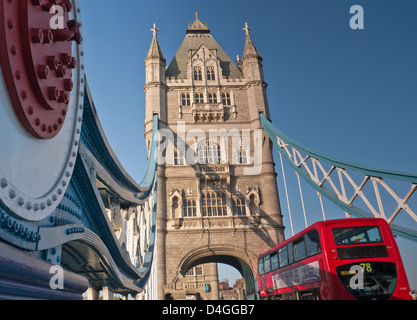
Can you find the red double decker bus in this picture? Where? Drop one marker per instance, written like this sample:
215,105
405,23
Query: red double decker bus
342,259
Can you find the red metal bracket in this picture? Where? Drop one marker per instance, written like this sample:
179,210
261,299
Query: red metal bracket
36,62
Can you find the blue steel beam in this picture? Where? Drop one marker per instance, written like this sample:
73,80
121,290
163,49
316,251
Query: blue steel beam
275,134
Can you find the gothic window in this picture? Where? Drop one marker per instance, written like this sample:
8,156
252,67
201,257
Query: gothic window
185,100
199,270
226,99
239,208
198,75
196,271
209,153
212,98
190,208
242,156
213,204
199,98
179,157
210,73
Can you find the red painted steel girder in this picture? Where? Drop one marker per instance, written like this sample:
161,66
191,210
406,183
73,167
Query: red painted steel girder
37,63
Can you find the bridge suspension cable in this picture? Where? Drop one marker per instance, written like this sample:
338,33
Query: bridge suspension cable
346,193
302,199
286,194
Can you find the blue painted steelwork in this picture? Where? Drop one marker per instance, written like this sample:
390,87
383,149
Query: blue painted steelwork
275,134
79,235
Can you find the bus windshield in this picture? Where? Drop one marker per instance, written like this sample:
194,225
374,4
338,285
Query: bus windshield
357,235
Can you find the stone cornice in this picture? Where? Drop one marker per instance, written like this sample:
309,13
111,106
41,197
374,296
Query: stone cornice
155,85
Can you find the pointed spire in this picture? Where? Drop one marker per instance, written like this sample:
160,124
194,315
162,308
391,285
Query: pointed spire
155,51
250,49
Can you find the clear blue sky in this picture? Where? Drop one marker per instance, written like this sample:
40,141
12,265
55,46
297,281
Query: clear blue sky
350,94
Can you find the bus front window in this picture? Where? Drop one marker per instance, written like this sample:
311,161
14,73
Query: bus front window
357,235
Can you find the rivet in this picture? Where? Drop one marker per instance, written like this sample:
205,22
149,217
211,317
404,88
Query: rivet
10,23
36,35
43,128
48,36
12,194
49,129
55,127
61,71
17,227
52,62
18,75
53,93
60,121
73,63
14,50
23,231
21,202
37,2
63,97
4,183
66,59
24,95
44,71
30,111
37,122
68,85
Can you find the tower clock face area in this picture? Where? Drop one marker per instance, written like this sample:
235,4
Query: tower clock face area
41,102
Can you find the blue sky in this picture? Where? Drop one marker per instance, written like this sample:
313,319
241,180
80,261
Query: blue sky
350,94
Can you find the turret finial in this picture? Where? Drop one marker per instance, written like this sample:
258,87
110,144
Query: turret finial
154,30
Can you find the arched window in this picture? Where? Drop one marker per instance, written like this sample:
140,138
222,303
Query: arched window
199,98
209,153
212,98
176,209
239,208
210,73
226,99
213,204
185,100
242,155
198,75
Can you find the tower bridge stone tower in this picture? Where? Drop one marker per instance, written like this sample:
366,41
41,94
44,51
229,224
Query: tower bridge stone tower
217,195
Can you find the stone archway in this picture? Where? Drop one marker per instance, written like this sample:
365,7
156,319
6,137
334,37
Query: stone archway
243,261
